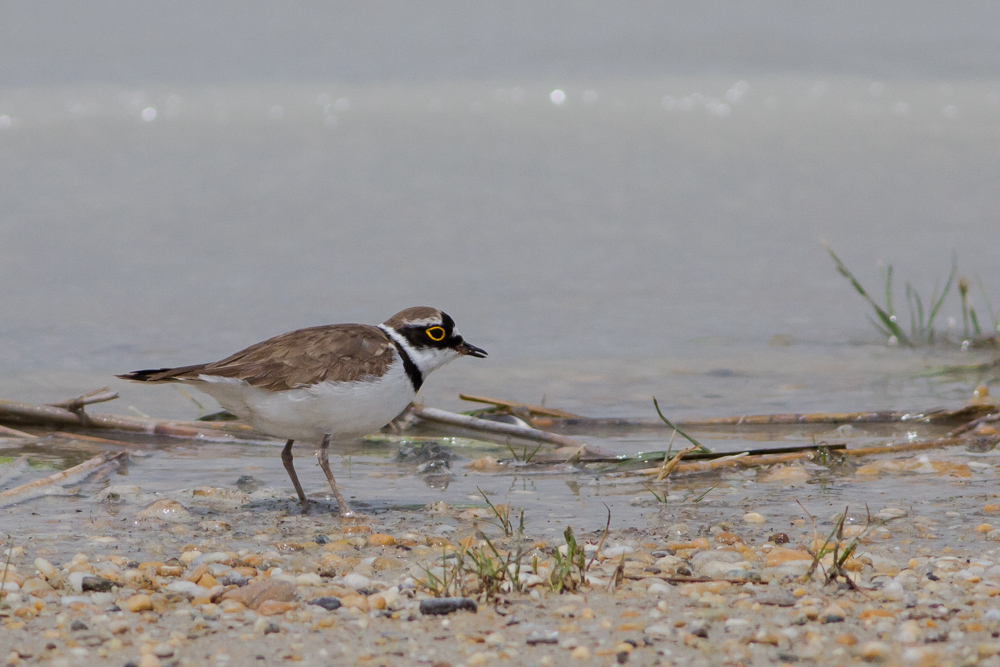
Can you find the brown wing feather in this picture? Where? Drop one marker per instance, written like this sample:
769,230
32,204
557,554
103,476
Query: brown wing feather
338,353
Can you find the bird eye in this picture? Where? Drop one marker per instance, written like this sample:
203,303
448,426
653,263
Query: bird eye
436,334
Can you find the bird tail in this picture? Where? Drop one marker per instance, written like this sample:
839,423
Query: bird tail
163,374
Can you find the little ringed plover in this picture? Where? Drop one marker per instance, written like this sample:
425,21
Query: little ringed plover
325,383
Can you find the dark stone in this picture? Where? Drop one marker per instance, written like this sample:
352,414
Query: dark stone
422,452
321,539
621,657
98,584
78,625
234,578
248,484
779,538
698,628
271,628
542,637
442,606
328,603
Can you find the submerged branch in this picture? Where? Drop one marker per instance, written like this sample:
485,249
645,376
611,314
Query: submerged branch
25,491
50,415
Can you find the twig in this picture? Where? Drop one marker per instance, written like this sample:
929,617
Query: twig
486,426
747,459
532,409
974,424
604,536
90,438
101,395
61,477
932,416
669,466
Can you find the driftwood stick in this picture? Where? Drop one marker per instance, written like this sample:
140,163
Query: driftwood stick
14,433
62,477
510,431
514,405
497,428
48,415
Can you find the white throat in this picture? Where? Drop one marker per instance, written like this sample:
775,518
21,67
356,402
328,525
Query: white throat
426,359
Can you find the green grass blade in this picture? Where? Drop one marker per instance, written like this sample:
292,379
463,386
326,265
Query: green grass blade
936,305
888,321
682,433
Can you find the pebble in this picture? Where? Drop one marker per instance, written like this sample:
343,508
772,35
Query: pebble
834,613
165,509
328,603
618,551
253,595
754,518
356,581
234,578
138,602
875,651
442,606
45,568
776,596
163,650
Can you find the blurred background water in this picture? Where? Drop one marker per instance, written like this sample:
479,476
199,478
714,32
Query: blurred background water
615,201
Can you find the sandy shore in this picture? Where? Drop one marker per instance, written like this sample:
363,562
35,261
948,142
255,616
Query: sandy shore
213,576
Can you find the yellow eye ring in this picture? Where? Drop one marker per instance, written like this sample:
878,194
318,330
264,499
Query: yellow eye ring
436,334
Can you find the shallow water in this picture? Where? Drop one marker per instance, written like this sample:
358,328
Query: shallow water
612,218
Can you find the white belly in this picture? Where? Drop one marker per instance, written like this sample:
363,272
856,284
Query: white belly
342,410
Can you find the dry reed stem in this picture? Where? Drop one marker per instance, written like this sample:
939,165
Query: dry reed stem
533,409
669,466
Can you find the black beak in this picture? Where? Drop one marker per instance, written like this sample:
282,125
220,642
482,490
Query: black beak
471,350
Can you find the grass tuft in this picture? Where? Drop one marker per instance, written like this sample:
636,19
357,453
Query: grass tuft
922,331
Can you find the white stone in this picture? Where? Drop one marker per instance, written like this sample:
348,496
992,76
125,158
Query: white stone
618,551
356,581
